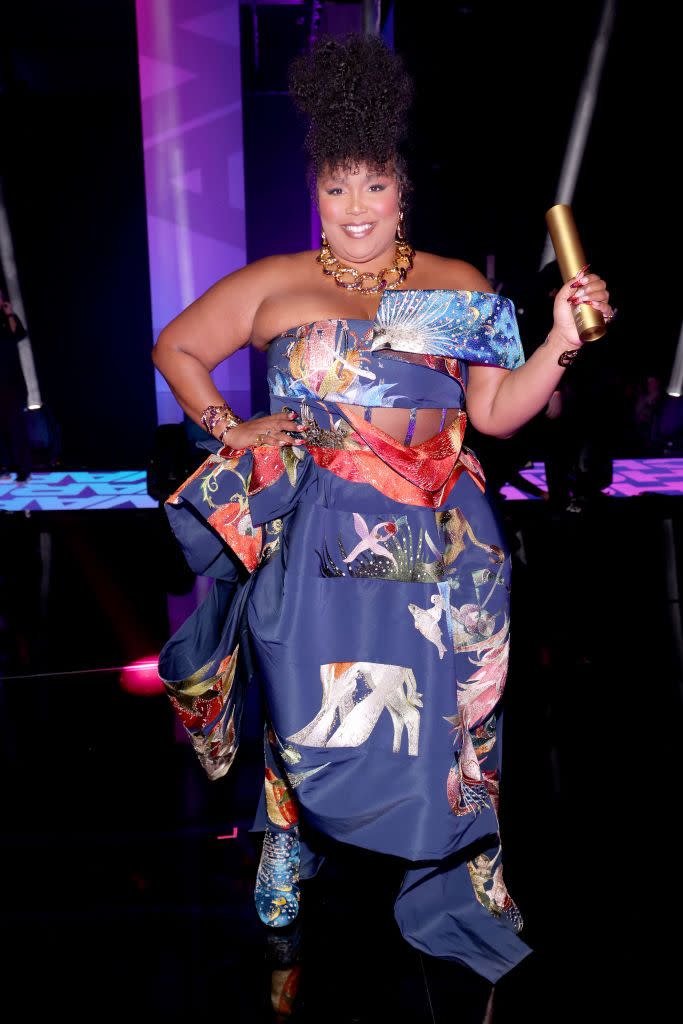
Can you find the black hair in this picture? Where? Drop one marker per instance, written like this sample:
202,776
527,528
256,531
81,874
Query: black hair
356,93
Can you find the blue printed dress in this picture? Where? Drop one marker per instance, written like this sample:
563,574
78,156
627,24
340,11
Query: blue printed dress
364,585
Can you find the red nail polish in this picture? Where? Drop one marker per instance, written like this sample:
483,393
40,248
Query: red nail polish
579,274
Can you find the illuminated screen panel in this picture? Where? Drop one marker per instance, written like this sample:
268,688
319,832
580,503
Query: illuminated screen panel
191,102
630,478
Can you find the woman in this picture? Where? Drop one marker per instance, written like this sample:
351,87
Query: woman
361,572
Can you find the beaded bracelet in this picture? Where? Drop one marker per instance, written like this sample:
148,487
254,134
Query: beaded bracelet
224,431
568,357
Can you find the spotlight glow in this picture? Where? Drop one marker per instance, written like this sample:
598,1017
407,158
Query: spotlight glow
141,677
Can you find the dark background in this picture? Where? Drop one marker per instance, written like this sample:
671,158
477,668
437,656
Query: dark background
496,86
72,170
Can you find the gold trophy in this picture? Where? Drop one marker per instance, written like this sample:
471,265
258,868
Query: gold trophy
590,323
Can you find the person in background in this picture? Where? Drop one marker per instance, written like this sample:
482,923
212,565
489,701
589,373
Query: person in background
15,448
647,415
575,433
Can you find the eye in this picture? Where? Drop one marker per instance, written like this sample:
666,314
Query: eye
378,186
332,191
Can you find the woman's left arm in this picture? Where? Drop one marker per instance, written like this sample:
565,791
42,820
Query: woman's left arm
501,401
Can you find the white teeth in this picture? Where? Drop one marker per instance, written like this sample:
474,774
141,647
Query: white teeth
357,229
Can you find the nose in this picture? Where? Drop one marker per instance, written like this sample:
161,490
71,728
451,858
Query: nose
355,204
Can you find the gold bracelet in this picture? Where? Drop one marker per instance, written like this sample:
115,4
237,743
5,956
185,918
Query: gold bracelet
213,413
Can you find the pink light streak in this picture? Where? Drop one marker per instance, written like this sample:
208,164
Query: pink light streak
141,677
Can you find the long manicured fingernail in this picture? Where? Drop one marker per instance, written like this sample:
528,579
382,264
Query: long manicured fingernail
579,275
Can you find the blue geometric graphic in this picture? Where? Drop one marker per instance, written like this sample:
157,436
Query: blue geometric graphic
77,490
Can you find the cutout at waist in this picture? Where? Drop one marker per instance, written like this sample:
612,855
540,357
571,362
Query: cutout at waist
410,426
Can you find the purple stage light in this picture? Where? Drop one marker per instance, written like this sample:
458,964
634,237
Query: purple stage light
191,95
630,478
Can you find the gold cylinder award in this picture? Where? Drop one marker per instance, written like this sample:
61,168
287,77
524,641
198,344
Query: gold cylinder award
590,323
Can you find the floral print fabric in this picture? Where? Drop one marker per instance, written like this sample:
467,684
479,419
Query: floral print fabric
365,586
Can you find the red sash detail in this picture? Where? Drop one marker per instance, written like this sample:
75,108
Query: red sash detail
421,474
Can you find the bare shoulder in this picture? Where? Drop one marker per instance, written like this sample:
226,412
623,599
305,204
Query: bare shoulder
447,272
262,277
258,275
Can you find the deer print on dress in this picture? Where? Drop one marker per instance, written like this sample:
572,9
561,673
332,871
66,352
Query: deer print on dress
354,696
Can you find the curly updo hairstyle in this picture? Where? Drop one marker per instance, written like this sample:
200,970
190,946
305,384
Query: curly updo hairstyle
356,94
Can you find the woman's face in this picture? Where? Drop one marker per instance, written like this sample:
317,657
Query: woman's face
359,213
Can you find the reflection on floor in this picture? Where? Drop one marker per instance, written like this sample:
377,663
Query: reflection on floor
129,876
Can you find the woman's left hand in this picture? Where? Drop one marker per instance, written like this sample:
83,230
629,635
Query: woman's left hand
588,288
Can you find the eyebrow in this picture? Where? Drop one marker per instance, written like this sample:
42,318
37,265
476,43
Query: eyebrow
343,181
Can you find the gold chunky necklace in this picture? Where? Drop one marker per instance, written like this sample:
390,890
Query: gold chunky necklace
365,282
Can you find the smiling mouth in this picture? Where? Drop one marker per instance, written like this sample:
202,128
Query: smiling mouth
358,230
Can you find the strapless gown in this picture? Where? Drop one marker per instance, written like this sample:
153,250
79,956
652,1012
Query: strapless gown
364,585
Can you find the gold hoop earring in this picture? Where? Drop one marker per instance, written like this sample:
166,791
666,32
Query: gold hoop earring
323,238
400,233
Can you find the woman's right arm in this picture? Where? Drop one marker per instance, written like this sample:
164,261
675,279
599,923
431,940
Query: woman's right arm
209,330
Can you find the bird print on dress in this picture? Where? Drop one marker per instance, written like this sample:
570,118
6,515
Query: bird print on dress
479,327
477,697
371,540
326,360
427,622
305,511
490,889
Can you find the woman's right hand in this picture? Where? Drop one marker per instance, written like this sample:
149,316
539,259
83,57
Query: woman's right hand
264,430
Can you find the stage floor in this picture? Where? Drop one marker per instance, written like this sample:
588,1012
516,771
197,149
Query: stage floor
64,491
130,875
